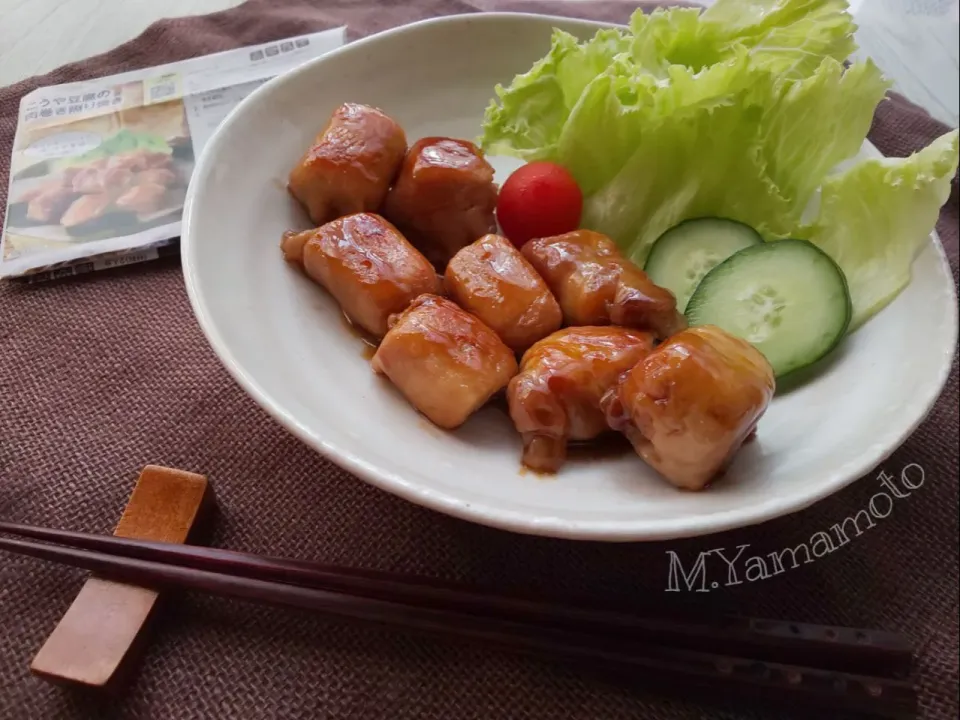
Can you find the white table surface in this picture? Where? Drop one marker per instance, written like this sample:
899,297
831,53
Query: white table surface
918,51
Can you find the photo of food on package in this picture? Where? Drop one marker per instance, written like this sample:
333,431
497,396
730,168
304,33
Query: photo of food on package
112,175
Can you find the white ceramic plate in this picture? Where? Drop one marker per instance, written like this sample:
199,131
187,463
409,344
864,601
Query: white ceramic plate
284,341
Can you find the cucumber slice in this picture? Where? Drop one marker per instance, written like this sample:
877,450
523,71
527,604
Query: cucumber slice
685,253
788,298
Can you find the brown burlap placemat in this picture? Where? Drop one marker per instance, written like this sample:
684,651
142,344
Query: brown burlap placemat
103,374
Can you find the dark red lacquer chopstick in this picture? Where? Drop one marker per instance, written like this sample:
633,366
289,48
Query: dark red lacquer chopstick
831,647
620,642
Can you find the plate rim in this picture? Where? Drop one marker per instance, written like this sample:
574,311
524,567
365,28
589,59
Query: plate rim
484,513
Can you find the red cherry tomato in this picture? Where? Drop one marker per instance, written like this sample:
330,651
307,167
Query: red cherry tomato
541,199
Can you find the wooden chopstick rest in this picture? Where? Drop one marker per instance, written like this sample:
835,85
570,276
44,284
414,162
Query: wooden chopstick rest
100,636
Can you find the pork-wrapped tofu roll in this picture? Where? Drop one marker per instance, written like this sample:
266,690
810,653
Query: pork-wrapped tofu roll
88,207
48,206
690,404
444,197
366,264
596,285
140,160
446,362
144,198
556,396
61,181
351,164
492,280
89,178
158,176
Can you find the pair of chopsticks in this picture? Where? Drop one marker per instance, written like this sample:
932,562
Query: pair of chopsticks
837,668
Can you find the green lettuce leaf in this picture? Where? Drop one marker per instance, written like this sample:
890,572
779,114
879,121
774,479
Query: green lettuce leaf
818,122
789,37
665,38
741,111
589,105
729,141
120,142
875,216
704,162
531,113
620,111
